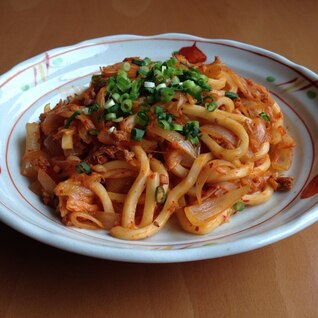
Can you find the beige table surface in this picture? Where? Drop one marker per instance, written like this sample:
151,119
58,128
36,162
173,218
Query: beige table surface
280,280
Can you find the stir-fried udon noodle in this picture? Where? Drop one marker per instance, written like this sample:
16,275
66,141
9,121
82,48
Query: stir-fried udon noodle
148,141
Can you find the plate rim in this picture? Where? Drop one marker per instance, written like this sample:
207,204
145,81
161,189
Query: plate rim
160,256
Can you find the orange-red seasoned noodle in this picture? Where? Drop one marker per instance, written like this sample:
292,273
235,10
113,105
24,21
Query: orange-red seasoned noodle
147,141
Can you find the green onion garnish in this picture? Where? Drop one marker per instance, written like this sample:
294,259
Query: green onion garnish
118,120
194,140
138,62
142,118
158,110
137,134
83,167
192,128
238,206
116,97
123,83
188,84
191,131
109,103
125,66
265,116
160,194
231,95
146,61
113,109
164,124
211,107
126,105
166,94
94,108
177,127
71,118
143,70
123,97
110,116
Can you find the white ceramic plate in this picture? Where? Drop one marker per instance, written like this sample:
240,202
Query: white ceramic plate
48,77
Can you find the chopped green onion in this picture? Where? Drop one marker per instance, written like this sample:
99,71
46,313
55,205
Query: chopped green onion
123,83
169,117
171,62
93,132
138,62
238,206
125,66
116,97
137,134
146,61
113,109
211,107
160,194
166,94
265,116
143,70
149,84
175,80
111,84
83,167
123,97
71,118
151,99
177,127
126,105
188,84
161,85
118,120
231,95
158,110
109,103
164,124
85,111
191,131
110,116
111,129
122,74
94,108
194,140
134,91
142,118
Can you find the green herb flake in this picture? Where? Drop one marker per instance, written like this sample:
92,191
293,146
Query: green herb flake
265,116
137,134
71,118
83,167
231,95
238,206
160,194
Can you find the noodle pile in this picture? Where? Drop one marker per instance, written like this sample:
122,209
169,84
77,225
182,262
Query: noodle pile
147,140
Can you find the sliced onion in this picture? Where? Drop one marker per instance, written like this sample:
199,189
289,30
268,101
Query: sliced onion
107,219
201,213
259,131
46,181
176,139
220,131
